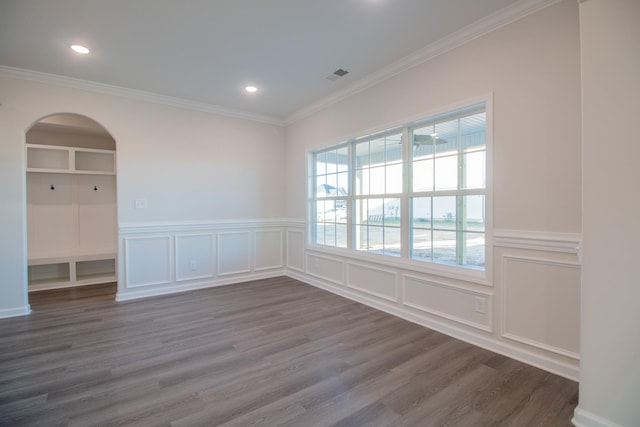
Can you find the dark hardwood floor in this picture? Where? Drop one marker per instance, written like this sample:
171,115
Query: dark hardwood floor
269,352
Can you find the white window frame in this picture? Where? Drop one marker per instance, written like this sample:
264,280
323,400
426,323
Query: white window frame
477,275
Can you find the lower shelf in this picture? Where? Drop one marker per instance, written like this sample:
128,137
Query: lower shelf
75,271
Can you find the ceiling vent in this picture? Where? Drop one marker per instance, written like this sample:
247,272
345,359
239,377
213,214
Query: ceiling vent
337,74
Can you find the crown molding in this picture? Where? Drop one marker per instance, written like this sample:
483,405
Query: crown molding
461,37
134,94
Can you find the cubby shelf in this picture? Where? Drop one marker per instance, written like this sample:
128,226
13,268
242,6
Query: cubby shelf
57,159
72,270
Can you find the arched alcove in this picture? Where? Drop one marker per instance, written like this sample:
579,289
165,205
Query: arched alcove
71,203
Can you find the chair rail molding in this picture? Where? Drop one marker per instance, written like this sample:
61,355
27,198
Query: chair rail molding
570,243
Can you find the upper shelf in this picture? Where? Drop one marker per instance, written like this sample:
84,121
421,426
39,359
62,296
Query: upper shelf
56,159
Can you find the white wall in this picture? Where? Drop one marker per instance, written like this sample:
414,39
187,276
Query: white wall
610,341
532,69
190,166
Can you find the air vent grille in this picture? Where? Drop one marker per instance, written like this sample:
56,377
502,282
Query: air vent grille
337,74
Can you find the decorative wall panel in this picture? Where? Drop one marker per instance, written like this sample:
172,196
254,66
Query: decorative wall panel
194,256
541,300
453,303
268,249
147,261
373,281
234,252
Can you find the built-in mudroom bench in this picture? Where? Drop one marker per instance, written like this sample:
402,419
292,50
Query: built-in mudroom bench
71,270
71,206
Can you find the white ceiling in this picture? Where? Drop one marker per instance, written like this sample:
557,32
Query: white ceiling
207,51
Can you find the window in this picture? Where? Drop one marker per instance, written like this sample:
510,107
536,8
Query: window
415,192
447,198
331,186
378,190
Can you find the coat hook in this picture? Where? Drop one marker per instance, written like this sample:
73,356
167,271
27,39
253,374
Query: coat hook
95,188
52,187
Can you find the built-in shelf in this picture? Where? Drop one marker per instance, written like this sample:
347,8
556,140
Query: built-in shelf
73,270
71,209
57,159
47,158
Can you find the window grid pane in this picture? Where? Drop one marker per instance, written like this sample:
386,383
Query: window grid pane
331,182
449,157
445,192
378,165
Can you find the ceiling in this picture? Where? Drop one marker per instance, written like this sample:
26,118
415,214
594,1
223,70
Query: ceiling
207,51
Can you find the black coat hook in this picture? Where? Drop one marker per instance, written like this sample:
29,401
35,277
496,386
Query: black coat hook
95,188
52,187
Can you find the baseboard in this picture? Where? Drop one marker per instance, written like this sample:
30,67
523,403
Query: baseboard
14,312
138,293
582,418
479,339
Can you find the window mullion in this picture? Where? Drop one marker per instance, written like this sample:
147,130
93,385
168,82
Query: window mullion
405,203
461,220
351,173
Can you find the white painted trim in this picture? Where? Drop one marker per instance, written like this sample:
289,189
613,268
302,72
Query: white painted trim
176,250
395,275
542,346
250,243
487,328
294,223
187,226
127,267
134,94
289,266
166,290
483,340
15,312
582,418
461,37
569,243
328,279
518,338
280,264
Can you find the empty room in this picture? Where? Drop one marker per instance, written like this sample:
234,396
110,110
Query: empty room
319,213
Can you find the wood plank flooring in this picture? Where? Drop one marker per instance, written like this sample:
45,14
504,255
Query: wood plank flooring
269,352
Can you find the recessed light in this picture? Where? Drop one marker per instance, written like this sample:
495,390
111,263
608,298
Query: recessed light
80,49
251,89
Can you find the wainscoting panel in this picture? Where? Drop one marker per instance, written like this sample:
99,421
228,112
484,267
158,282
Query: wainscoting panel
295,250
194,256
268,249
159,259
329,269
541,301
147,261
234,252
373,281
457,304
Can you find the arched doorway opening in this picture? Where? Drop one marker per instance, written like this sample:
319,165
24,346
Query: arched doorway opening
71,209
